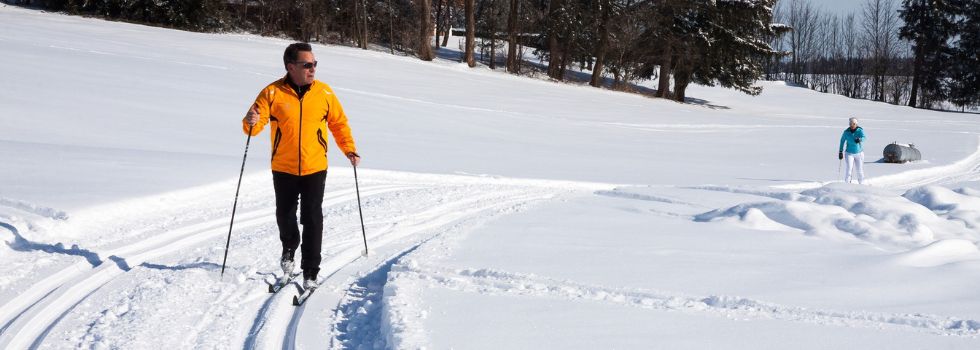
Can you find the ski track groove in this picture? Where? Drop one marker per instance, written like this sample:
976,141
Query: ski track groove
449,226
191,340
393,257
335,200
32,314
495,282
432,218
966,169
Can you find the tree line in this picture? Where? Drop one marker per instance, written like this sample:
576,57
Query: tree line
921,53
916,52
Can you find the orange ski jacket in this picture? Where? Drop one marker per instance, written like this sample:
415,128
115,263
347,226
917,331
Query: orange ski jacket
297,125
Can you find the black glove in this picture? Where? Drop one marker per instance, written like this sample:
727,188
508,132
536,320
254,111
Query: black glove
857,139
840,155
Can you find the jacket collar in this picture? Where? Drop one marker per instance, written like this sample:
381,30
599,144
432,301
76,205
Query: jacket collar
299,90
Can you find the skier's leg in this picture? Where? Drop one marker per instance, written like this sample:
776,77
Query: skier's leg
311,216
859,166
848,159
287,191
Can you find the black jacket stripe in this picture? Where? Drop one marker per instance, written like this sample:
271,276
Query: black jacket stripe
319,136
275,144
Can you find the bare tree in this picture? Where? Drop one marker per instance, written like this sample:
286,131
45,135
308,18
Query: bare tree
803,18
880,29
778,41
853,58
821,67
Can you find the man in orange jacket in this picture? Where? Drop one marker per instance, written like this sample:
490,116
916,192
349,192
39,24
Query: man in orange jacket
298,108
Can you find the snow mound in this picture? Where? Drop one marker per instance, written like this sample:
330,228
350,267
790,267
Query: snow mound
962,205
757,219
939,253
918,218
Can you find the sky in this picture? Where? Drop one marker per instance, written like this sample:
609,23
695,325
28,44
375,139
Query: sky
840,6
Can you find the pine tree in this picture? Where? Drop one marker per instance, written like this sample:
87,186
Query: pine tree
567,35
723,42
675,38
929,26
965,79
739,32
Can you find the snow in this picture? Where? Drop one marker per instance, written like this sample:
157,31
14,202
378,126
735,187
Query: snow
500,211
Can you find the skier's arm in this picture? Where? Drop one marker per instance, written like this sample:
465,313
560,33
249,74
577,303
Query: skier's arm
859,137
337,123
261,106
843,139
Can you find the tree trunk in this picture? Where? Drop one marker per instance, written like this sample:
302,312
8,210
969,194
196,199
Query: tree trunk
554,46
364,29
439,22
915,75
493,52
356,30
493,35
563,65
663,88
449,22
794,65
391,29
425,30
470,33
600,55
512,37
682,76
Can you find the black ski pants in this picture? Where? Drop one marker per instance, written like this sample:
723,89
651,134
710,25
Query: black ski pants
308,189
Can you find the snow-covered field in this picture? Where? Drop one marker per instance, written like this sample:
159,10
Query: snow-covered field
501,211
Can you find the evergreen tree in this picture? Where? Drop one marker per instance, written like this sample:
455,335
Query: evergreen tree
739,45
674,40
722,42
965,80
928,26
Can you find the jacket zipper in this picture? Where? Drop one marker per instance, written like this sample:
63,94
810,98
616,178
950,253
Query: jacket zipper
299,164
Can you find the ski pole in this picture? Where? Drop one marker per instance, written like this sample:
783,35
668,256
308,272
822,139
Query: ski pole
235,205
359,212
839,162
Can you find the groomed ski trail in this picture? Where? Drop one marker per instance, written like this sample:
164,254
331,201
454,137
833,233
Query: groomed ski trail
29,317
401,211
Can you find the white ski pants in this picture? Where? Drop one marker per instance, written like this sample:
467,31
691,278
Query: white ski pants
854,162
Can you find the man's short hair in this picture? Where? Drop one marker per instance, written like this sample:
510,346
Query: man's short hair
292,52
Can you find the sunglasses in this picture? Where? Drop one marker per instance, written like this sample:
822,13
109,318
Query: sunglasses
306,65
